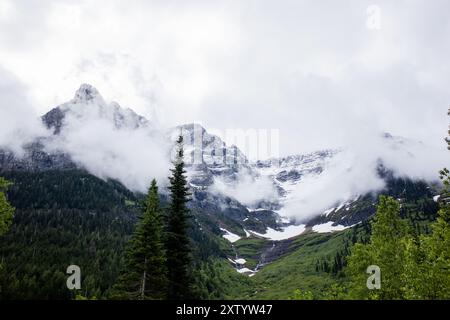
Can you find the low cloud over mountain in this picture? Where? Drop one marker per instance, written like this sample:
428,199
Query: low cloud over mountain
112,142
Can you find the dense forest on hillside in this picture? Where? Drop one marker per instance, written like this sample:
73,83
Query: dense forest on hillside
64,218
71,217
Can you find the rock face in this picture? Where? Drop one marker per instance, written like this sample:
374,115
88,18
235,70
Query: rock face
293,168
207,156
209,159
35,158
53,120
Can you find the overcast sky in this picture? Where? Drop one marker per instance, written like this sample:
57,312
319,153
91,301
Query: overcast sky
325,73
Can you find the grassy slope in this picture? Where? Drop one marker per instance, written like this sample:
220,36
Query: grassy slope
296,270
250,249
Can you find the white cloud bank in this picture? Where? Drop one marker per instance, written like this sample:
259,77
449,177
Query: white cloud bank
131,154
246,189
353,172
19,124
309,68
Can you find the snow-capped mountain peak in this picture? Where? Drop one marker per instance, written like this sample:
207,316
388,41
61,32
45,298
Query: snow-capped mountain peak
87,105
87,93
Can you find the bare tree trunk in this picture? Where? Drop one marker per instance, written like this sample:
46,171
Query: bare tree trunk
144,276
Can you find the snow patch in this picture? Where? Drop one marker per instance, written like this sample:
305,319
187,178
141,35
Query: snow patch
340,206
328,227
256,210
285,233
245,270
230,236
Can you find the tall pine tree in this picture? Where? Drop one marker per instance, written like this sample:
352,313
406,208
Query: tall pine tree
177,241
144,275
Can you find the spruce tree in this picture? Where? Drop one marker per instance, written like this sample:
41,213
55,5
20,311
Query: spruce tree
177,240
144,275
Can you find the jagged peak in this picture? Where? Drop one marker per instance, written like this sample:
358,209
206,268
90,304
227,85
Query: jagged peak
191,127
87,93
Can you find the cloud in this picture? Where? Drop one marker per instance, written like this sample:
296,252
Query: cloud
19,124
246,189
133,155
353,172
311,69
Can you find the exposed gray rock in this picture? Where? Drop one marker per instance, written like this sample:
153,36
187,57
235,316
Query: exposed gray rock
35,158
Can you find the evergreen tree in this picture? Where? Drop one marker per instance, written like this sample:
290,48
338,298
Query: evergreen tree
177,241
144,276
6,210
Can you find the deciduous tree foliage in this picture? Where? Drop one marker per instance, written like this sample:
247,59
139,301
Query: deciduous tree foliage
427,273
385,249
412,266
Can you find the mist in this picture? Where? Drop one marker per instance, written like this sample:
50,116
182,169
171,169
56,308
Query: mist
133,155
247,189
350,173
19,123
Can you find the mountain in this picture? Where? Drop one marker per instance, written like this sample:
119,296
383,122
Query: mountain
215,170
88,102
229,231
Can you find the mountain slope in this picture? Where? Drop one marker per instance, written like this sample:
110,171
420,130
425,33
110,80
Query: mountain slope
229,231
64,218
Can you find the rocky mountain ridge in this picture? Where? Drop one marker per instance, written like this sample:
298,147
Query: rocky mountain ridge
208,160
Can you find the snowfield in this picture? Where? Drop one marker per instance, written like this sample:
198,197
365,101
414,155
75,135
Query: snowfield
245,270
230,236
286,233
328,227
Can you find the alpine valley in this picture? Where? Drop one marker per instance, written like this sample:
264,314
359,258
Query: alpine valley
78,204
